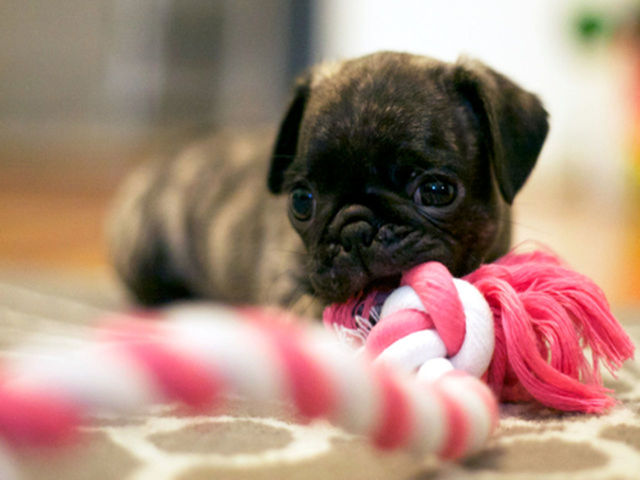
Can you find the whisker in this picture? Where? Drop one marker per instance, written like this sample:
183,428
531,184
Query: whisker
537,230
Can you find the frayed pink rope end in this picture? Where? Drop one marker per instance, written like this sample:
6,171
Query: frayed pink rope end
546,315
553,329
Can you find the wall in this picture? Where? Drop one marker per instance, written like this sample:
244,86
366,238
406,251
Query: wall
78,69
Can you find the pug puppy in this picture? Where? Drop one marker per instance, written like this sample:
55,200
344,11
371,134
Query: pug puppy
380,163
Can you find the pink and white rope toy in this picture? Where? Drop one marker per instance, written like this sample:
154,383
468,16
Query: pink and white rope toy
429,354
197,355
522,324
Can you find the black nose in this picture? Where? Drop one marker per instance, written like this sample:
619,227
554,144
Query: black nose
354,225
356,234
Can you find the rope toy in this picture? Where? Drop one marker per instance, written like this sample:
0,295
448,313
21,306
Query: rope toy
198,355
522,324
429,355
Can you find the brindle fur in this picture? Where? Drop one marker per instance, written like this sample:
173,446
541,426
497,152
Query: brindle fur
203,224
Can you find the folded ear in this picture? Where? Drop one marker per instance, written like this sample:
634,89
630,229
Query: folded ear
514,120
286,144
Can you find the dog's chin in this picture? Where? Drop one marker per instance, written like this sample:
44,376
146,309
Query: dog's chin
337,287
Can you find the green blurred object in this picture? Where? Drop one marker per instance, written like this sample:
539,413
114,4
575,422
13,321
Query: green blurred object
592,26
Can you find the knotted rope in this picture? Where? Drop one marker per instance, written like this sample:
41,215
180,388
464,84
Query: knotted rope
521,323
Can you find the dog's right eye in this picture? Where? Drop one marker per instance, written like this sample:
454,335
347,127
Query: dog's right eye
302,203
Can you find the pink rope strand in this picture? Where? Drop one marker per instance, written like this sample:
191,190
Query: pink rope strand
548,314
191,357
542,316
545,316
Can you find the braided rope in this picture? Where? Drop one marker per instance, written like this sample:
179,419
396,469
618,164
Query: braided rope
520,324
412,335
523,323
198,355
403,336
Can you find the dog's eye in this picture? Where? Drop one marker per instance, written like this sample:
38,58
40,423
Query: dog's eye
434,192
301,203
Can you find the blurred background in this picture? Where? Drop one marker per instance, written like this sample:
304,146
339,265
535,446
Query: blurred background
91,88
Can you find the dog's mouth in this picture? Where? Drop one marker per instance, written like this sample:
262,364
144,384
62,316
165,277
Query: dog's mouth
345,269
337,287
383,284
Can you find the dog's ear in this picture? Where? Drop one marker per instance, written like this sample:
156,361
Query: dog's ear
514,121
286,144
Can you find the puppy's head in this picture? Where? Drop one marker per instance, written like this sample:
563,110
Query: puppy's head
391,160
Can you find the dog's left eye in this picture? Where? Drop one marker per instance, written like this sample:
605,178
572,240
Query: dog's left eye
302,203
434,192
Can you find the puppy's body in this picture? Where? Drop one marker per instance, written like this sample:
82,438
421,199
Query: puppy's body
202,224
388,161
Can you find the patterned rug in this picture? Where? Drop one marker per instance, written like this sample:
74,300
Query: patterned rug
265,442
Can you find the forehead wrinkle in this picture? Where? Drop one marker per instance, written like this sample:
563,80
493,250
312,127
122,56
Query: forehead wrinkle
365,116
333,170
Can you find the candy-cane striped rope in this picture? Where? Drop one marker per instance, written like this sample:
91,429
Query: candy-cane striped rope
410,336
197,355
524,323
422,349
543,315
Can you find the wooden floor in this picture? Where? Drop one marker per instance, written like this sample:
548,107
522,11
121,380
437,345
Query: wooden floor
53,203
53,219
51,227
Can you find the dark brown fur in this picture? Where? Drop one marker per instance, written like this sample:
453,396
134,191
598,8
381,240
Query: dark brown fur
349,133
357,135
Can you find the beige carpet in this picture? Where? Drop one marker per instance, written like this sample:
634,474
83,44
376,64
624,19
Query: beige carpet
265,442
